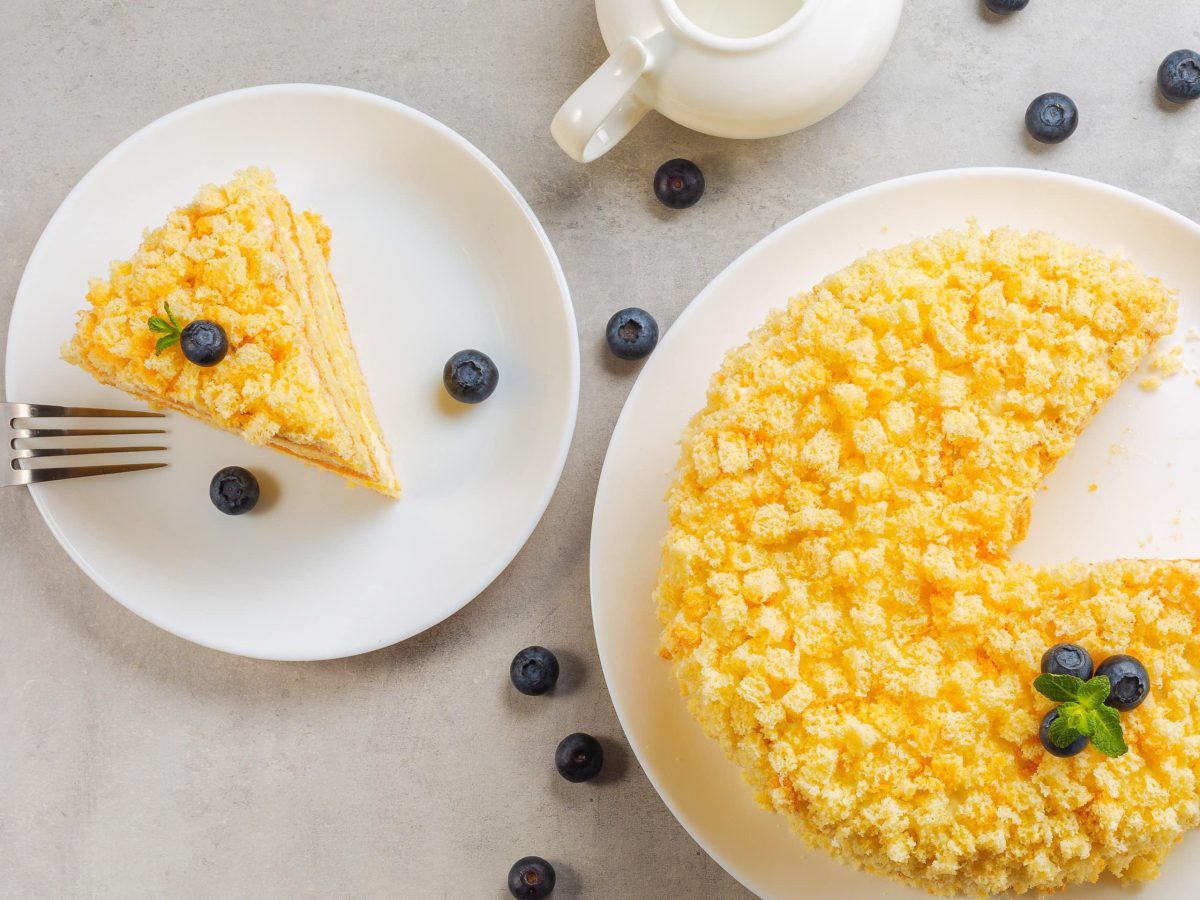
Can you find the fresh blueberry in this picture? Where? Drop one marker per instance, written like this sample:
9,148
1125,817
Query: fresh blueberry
1129,679
1076,746
1004,7
1052,118
531,878
234,491
203,342
678,183
1067,659
534,671
632,333
470,376
1179,76
579,757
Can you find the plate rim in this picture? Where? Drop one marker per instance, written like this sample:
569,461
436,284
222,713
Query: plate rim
565,438
609,659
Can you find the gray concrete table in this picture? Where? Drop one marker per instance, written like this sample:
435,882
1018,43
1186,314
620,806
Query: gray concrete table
133,764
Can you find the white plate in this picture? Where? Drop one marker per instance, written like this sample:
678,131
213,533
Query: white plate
434,251
1140,451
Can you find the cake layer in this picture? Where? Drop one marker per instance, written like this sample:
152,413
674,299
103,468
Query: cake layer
322,457
329,335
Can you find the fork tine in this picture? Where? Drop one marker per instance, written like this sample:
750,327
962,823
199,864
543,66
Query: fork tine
35,452
79,432
37,476
35,410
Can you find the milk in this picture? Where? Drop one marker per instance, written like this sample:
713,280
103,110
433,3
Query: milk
739,18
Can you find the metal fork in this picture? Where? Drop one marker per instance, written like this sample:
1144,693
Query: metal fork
12,455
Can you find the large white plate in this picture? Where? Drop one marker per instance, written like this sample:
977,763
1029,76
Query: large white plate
1140,452
434,251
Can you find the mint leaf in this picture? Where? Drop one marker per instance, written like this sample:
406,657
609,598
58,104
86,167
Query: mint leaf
1059,688
1062,733
1094,692
169,330
1076,716
1104,728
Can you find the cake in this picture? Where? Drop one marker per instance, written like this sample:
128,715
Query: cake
836,595
242,257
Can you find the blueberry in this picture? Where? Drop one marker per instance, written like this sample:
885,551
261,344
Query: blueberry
531,878
203,342
470,376
234,491
1067,659
1129,679
534,671
1052,118
632,333
1076,746
579,757
678,183
1004,7
1179,76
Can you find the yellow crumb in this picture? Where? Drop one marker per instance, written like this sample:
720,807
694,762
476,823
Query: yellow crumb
1163,366
1169,363
836,595
1093,487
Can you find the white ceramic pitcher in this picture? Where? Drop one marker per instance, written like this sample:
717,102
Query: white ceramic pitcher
731,68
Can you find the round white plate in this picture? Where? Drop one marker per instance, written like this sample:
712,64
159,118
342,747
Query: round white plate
1140,452
434,251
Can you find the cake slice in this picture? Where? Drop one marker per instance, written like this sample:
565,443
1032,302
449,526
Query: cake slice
242,257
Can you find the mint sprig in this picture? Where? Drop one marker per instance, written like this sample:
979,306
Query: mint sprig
1082,712
169,330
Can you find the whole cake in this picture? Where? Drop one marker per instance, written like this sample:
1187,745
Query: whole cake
836,594
240,257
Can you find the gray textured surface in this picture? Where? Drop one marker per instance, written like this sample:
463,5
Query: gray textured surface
135,765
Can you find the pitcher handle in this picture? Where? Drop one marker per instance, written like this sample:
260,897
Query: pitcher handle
605,107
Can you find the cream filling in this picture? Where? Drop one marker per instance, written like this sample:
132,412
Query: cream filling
351,387
328,339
